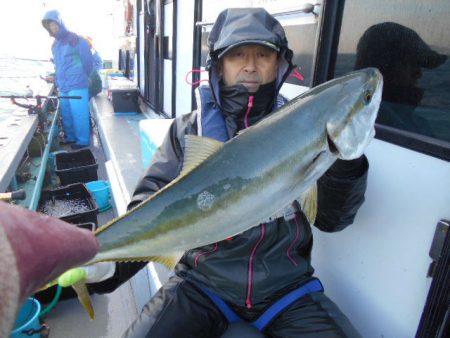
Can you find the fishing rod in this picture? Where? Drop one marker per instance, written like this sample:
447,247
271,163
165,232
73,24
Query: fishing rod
12,97
13,195
39,60
33,108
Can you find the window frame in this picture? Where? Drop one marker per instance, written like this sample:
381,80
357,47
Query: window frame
330,29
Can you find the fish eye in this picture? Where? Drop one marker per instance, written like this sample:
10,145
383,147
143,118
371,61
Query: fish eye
367,97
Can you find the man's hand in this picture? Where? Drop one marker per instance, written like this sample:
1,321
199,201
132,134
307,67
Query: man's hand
348,169
35,251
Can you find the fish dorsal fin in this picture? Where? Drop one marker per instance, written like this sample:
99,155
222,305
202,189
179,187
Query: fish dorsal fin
198,149
308,202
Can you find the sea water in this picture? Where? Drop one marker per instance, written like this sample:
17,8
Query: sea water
17,77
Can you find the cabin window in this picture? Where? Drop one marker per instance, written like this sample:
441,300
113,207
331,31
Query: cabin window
409,42
126,62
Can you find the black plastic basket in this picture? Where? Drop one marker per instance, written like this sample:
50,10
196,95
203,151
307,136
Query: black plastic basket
76,167
73,203
88,226
125,101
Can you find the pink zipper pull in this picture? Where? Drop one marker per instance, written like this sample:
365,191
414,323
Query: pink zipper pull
249,108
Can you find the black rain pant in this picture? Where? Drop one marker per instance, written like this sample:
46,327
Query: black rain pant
180,310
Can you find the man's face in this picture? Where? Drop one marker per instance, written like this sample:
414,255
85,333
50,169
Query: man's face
52,27
249,65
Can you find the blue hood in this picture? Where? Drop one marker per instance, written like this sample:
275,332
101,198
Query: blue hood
54,15
71,54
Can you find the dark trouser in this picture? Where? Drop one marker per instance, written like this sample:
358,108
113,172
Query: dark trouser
181,310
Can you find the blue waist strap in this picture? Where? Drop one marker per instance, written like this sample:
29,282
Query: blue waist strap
313,285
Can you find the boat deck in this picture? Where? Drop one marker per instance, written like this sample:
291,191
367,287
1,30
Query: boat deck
116,146
16,132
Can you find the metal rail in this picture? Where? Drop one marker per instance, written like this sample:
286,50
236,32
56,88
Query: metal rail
35,197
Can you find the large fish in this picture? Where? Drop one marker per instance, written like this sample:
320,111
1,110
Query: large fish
226,188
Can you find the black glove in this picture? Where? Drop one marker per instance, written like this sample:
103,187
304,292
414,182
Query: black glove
348,169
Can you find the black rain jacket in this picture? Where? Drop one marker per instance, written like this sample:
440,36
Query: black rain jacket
260,264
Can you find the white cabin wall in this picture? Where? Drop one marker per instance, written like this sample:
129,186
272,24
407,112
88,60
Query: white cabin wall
376,269
185,43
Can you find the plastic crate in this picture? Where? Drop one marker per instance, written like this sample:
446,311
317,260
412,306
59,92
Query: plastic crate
72,203
88,226
125,101
78,166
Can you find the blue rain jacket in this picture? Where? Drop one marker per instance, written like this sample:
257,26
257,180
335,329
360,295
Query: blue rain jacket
72,56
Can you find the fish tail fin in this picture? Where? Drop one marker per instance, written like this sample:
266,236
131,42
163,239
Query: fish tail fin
84,298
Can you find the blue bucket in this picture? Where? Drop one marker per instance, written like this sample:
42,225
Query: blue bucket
27,322
101,190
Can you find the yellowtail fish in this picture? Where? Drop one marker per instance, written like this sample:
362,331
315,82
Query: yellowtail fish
226,188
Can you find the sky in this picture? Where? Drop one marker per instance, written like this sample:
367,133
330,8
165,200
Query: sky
22,34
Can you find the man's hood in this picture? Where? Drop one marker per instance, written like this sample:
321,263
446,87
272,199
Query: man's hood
239,26
54,15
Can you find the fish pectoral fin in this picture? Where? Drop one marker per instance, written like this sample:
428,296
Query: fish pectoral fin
84,298
198,149
308,203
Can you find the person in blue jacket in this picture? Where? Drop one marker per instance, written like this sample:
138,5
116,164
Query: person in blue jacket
73,65
97,59
95,85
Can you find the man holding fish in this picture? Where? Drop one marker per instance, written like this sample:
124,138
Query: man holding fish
239,203
234,190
